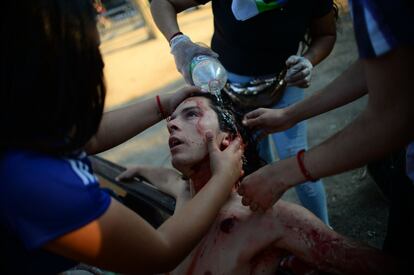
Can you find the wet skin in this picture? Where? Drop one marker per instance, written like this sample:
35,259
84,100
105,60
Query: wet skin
187,126
245,242
241,241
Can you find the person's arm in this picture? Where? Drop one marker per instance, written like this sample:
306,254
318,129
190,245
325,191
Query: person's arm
346,88
291,227
385,125
121,241
323,34
167,180
304,235
122,124
165,13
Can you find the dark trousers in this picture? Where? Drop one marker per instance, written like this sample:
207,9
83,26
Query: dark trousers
390,175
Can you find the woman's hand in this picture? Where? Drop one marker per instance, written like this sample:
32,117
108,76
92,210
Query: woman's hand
268,121
263,188
170,101
227,163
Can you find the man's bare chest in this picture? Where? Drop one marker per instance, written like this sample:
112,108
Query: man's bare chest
239,242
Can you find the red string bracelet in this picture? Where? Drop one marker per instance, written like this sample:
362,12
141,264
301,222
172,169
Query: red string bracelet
160,109
305,172
174,35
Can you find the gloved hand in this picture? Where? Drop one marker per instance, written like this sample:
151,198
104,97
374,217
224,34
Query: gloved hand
184,50
299,71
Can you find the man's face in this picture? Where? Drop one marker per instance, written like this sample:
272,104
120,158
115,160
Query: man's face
187,127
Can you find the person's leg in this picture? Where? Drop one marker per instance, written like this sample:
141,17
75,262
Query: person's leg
288,143
400,193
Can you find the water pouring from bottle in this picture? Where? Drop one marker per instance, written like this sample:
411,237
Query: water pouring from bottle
208,74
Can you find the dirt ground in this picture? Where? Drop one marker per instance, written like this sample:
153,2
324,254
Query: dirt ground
356,206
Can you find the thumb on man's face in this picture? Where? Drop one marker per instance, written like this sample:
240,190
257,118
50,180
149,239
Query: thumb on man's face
210,138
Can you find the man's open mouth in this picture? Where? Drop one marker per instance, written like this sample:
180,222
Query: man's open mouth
174,142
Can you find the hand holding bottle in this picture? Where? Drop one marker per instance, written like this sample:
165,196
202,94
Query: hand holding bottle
207,73
184,50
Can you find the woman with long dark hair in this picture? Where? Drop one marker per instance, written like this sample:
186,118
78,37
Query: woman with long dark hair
52,212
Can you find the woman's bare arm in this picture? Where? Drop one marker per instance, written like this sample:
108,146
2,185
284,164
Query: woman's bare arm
323,33
122,241
119,125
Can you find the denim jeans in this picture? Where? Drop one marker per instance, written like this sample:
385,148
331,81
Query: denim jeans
311,194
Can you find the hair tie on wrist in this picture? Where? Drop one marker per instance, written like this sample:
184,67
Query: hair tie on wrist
305,172
160,109
174,35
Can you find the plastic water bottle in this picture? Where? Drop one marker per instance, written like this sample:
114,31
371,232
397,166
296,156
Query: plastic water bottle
208,73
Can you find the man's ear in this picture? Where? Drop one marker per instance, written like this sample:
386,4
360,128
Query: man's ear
225,142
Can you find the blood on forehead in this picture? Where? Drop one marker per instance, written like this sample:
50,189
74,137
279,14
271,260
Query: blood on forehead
203,106
188,102
200,102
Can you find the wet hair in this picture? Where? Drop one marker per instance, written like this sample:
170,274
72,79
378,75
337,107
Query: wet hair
230,121
52,85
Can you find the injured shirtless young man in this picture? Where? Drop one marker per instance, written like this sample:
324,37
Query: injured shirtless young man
241,241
